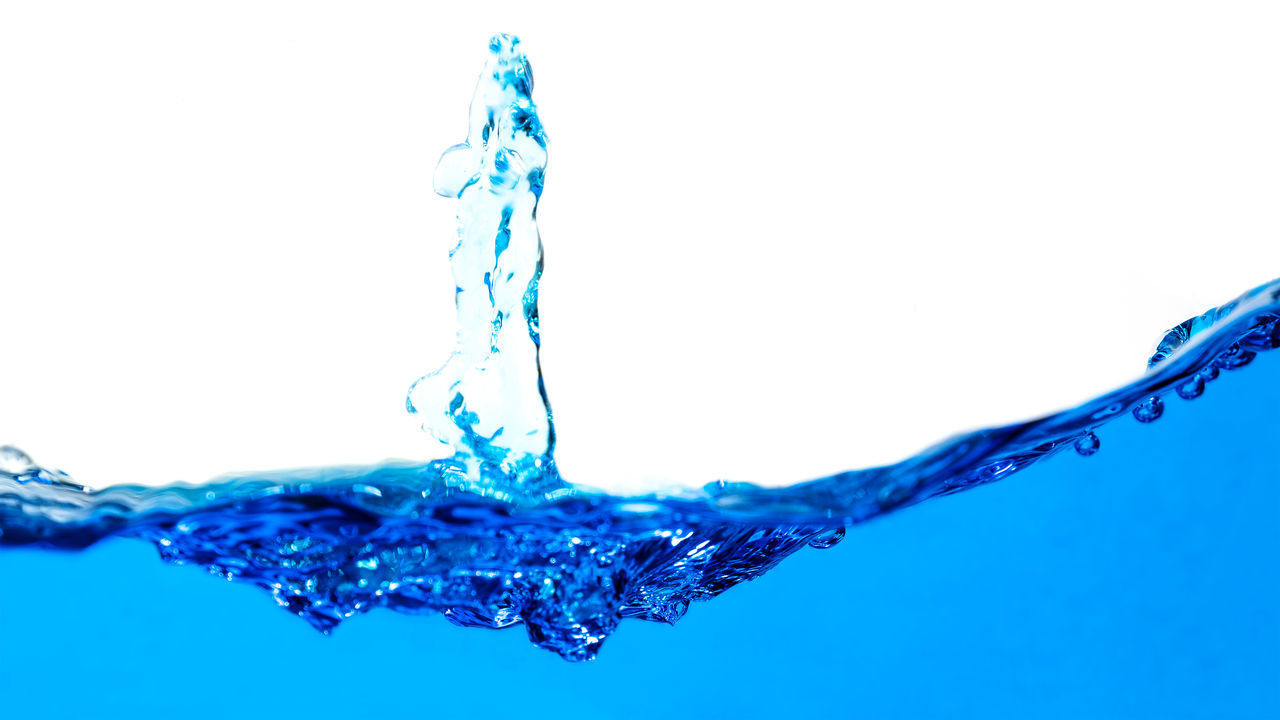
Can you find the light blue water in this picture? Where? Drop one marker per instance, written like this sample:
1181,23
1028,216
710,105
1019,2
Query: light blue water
494,537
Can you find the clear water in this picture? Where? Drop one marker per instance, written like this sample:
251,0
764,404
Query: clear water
495,537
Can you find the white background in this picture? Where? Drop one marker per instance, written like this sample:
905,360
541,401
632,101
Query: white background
782,240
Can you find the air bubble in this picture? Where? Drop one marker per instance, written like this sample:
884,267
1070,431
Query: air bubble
1088,445
1150,410
827,538
1192,388
1234,357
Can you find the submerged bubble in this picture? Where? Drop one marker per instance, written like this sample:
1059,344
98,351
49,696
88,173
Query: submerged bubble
1149,410
827,538
1266,336
1234,357
1088,445
1192,388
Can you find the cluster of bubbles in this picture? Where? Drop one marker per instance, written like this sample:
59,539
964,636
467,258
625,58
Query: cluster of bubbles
1265,335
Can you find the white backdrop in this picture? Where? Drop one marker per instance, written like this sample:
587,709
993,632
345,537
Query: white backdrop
782,240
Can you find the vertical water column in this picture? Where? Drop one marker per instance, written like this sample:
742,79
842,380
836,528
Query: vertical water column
488,401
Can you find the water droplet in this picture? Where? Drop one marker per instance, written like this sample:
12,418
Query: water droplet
1088,445
1150,410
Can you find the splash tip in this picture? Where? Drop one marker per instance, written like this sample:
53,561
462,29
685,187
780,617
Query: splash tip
503,43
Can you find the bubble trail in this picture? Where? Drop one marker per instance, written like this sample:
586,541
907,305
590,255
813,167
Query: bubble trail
493,536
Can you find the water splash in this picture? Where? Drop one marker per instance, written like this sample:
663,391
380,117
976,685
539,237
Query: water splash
493,536
488,402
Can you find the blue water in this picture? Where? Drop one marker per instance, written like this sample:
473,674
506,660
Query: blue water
1130,576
